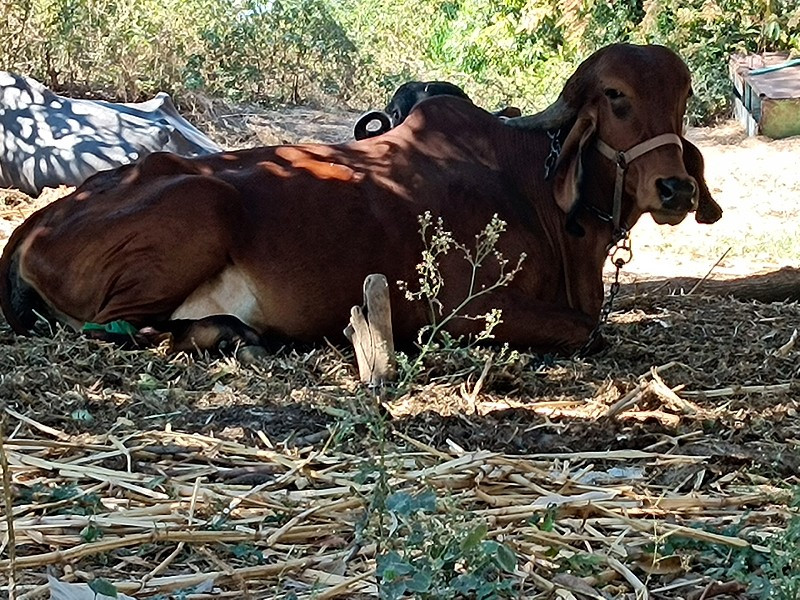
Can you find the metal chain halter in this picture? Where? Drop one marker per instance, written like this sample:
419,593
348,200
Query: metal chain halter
621,253
555,151
619,249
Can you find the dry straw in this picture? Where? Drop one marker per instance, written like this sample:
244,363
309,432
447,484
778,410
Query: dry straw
168,524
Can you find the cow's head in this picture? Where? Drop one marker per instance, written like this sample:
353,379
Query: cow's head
411,93
403,101
630,99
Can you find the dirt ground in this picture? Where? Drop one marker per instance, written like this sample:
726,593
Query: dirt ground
705,376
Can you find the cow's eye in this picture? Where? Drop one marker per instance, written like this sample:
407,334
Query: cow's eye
613,94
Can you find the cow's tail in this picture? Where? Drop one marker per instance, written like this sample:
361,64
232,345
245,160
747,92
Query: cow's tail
21,304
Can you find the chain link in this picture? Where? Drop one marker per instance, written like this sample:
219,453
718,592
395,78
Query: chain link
555,150
619,250
621,254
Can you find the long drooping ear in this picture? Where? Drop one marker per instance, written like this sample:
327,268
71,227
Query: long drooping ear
569,168
708,211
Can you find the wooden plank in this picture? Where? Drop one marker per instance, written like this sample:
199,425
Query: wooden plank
370,331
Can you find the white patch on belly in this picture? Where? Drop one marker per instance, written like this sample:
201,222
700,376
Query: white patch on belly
227,294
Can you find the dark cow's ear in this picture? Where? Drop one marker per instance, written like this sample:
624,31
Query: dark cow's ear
708,211
569,168
361,129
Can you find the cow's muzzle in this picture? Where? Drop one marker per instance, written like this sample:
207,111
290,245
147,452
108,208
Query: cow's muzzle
623,161
677,194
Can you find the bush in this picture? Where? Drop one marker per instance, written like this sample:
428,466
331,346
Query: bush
280,51
358,51
707,33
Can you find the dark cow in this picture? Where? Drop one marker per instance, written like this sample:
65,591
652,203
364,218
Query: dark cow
47,140
405,98
278,240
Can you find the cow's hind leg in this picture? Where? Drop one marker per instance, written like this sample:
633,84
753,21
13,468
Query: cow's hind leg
214,333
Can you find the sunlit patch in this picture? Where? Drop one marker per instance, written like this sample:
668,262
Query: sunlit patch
317,166
275,169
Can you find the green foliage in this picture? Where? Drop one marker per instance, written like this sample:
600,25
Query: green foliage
282,50
91,533
545,521
706,34
69,496
358,51
247,552
285,51
773,575
101,586
782,572
512,50
430,554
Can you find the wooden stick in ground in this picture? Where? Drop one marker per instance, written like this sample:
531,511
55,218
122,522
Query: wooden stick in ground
708,274
370,331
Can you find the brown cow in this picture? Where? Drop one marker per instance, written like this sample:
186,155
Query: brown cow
280,239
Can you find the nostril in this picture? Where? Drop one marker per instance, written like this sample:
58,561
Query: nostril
665,189
676,193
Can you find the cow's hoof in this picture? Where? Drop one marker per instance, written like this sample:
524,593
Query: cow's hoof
247,355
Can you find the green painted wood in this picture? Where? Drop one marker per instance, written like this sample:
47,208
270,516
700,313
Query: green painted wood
780,118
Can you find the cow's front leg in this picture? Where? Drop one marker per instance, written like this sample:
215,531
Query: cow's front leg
530,324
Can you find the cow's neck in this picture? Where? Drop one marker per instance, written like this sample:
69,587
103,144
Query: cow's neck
582,257
587,239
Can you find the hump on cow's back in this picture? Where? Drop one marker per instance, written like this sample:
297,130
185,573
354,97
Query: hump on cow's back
447,114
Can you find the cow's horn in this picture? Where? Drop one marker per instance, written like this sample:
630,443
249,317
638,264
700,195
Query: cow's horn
552,117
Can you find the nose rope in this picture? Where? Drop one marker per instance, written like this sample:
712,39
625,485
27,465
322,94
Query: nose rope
623,160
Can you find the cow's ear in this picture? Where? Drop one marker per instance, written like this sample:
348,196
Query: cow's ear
708,211
569,168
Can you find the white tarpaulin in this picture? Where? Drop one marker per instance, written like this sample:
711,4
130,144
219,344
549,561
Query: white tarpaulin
49,140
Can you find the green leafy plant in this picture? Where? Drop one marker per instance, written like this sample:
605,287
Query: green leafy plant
102,587
91,533
436,554
247,552
438,242
782,570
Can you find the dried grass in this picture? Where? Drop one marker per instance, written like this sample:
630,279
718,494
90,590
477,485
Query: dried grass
177,528
192,466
